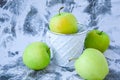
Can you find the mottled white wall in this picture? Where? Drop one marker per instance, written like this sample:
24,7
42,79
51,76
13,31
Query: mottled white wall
25,21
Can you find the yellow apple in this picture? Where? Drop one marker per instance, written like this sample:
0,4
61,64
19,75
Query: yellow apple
64,23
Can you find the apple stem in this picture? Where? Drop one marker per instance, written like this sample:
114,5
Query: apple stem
100,33
48,49
60,10
72,59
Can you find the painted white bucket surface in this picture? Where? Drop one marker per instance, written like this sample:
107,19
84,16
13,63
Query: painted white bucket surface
66,46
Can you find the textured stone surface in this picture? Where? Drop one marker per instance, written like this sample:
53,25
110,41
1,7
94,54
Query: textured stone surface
25,21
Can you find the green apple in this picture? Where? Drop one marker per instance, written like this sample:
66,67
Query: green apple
97,39
36,55
64,23
92,65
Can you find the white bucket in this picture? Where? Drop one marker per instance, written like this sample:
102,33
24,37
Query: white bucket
65,47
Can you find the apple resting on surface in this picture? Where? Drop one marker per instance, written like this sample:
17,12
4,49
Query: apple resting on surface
36,55
97,39
92,65
64,23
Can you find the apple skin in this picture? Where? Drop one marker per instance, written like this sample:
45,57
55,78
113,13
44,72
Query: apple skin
97,40
36,55
92,65
64,23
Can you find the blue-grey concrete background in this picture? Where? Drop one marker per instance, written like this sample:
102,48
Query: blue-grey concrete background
25,21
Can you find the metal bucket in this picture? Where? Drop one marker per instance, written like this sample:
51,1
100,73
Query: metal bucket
66,46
